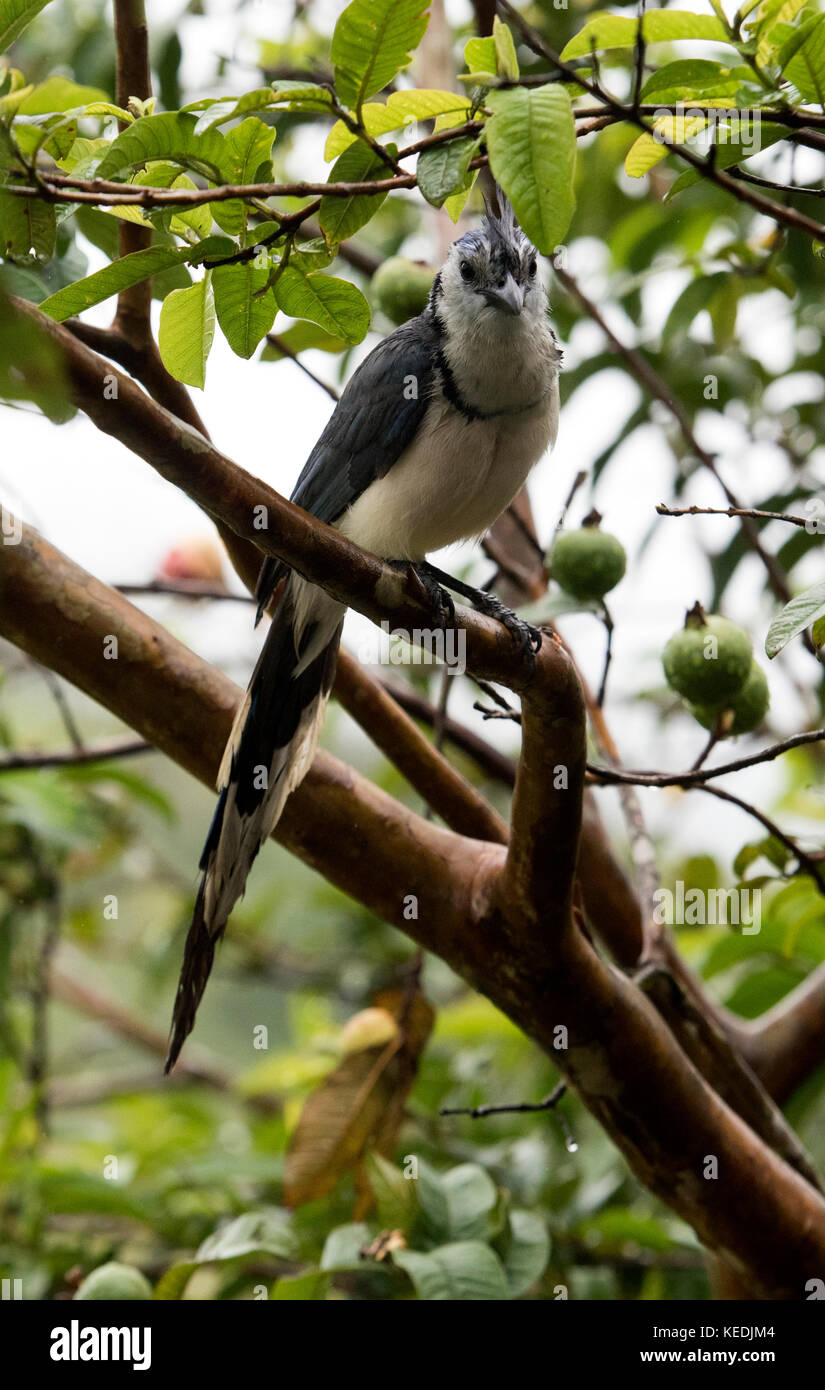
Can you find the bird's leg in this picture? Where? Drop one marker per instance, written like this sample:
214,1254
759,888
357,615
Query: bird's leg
527,637
441,603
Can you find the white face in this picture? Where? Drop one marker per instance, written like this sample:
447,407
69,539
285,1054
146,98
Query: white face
492,278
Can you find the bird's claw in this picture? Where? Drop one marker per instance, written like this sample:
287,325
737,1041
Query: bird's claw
527,638
439,598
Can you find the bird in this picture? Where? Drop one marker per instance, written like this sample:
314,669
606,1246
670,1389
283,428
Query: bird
432,438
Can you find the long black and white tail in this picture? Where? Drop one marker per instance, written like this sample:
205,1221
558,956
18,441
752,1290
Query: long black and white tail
269,752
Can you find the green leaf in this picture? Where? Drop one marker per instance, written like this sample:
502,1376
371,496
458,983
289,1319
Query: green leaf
171,1284
396,1197
524,1249
245,308
800,613
266,1232
172,136
14,16
343,1246
301,337
373,40
247,159
60,94
27,226
506,60
660,26
532,144
31,366
772,14
443,170
480,55
335,305
818,632
309,1288
695,297
463,1272
456,1204
341,217
129,270
692,79
187,327
806,68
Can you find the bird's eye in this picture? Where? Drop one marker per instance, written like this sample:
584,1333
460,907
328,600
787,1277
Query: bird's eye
532,268
466,270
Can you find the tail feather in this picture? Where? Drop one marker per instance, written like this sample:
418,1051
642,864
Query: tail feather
269,752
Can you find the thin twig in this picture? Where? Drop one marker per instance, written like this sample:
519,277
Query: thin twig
78,757
697,777
755,513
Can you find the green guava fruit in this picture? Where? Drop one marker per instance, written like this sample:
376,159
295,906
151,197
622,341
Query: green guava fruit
587,563
401,288
743,711
708,660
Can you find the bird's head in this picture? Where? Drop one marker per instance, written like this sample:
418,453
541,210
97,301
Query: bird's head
492,272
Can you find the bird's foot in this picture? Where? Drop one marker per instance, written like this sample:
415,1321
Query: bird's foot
440,600
527,638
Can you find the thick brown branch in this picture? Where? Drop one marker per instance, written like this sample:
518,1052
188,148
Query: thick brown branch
761,1215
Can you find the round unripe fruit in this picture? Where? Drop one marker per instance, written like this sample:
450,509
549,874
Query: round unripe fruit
747,708
587,563
115,1281
401,288
708,660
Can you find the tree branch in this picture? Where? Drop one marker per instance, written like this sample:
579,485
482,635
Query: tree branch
620,1055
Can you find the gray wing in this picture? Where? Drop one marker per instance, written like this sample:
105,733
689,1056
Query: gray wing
376,418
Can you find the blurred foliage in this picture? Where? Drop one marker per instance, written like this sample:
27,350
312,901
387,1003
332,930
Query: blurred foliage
102,1160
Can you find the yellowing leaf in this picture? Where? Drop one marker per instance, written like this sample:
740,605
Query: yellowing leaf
647,150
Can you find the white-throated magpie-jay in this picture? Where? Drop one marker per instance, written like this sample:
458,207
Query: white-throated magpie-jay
431,440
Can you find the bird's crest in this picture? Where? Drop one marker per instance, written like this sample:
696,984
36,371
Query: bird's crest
500,222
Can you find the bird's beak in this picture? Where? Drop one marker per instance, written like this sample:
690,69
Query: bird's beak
510,297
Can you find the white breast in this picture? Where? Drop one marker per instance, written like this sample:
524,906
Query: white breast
453,481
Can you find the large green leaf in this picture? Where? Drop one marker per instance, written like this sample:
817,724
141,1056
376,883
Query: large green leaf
129,270
660,26
466,1271
245,308
335,305
14,16
444,170
247,159
374,40
187,327
800,613
171,135
341,217
532,144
